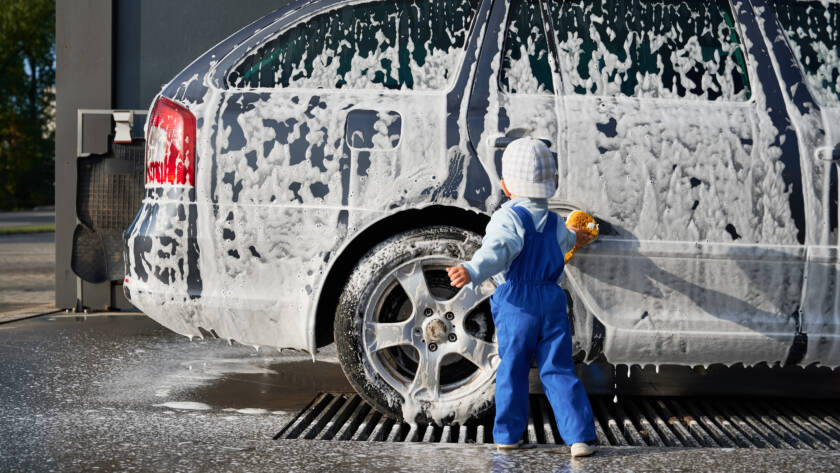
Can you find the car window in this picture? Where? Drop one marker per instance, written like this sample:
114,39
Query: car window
813,29
650,48
525,67
402,44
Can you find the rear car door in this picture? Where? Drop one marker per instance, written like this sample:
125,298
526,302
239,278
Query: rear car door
807,39
513,91
678,138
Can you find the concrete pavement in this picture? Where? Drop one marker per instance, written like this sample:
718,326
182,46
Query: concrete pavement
27,272
9,220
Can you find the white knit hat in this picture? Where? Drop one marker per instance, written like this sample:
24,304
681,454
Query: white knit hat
529,169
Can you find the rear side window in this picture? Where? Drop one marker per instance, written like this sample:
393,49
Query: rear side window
526,68
650,48
402,44
813,29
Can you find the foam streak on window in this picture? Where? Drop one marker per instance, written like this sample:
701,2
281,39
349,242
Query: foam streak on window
402,44
813,29
650,48
526,69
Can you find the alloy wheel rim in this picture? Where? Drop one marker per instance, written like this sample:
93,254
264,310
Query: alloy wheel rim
439,331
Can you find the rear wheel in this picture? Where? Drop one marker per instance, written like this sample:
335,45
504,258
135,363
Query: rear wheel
413,346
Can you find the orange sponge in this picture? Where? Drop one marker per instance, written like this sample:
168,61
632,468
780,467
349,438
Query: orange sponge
585,223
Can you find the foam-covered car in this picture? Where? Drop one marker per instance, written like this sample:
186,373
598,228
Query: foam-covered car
310,177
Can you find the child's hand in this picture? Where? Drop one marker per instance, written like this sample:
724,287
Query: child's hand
583,238
458,276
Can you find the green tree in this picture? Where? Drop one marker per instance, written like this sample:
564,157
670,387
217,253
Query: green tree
27,102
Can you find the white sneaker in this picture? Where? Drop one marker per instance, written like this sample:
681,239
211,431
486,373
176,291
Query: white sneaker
520,445
505,447
581,449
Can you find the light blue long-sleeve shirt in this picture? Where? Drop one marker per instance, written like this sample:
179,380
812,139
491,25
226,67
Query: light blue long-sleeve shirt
505,236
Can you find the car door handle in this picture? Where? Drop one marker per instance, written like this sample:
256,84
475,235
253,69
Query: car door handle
828,154
504,141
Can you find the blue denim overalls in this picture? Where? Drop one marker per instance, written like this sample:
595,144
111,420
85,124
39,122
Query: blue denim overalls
529,311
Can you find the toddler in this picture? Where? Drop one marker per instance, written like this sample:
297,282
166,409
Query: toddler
525,239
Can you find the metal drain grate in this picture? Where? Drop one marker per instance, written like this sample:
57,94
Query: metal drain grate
632,421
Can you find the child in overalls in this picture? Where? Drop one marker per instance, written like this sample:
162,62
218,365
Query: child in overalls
525,239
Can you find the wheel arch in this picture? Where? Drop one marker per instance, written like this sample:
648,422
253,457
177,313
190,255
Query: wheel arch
360,243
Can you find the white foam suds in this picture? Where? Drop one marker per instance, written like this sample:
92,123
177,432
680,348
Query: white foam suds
704,265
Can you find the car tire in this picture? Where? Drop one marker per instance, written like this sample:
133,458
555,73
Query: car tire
414,347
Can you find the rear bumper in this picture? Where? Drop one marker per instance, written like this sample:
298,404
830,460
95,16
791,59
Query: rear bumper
161,259
200,268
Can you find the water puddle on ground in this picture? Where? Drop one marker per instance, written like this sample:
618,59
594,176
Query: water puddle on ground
128,359
285,386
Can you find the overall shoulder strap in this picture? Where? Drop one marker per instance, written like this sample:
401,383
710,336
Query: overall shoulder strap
551,224
525,218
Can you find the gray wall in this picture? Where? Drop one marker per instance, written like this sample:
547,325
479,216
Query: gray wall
118,54
156,39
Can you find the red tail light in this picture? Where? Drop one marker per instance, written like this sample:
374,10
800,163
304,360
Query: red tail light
170,145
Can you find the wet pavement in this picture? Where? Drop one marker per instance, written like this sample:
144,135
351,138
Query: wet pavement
121,393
